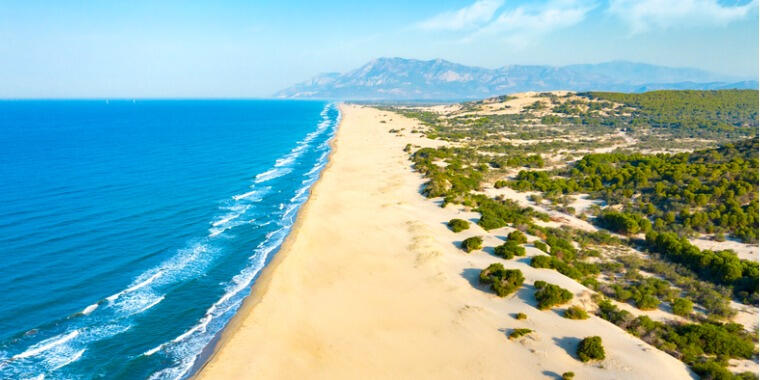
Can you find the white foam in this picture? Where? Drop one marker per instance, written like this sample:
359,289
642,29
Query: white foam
245,195
70,359
148,306
90,309
193,336
225,219
299,193
137,286
231,216
272,174
287,160
314,169
46,345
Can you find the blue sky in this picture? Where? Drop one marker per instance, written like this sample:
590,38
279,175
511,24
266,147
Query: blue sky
236,48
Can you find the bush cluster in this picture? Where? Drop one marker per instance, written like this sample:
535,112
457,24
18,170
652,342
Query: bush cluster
721,267
509,250
682,307
503,281
517,236
575,312
549,295
516,333
590,348
693,343
472,243
458,225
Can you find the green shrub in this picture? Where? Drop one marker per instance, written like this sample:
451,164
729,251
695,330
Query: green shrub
509,250
503,281
682,307
624,223
710,369
647,302
590,348
516,333
458,225
575,312
568,376
500,183
521,316
472,243
549,295
517,237
541,245
541,261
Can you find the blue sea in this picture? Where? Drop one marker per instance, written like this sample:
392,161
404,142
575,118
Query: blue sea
131,231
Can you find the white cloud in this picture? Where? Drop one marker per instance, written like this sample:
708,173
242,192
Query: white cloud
468,17
642,15
523,24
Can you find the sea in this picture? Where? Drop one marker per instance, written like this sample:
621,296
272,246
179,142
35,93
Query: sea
132,230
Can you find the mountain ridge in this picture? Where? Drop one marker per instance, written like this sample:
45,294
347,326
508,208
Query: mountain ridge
438,79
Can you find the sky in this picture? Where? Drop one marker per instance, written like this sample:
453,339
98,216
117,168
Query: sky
246,49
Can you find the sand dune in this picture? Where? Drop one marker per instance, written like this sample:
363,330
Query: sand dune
371,284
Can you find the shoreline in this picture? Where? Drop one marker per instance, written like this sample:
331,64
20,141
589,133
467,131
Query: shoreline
262,281
371,283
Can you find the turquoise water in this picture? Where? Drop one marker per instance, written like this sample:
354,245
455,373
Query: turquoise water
131,231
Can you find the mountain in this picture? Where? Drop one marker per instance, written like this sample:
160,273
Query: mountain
411,79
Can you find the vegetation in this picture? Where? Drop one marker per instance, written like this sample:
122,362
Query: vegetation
568,376
502,281
702,114
667,197
549,295
693,343
458,225
646,293
516,333
624,223
521,316
683,307
509,250
575,312
709,191
500,213
472,243
590,348
723,267
517,236
713,298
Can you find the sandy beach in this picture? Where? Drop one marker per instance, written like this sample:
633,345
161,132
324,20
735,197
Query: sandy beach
371,284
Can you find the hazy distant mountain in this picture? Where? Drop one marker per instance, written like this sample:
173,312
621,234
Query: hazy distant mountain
411,79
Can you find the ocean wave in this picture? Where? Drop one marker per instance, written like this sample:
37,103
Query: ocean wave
90,309
187,345
68,360
135,287
46,345
272,174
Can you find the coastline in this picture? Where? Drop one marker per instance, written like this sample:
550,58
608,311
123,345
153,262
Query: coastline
371,283
261,284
